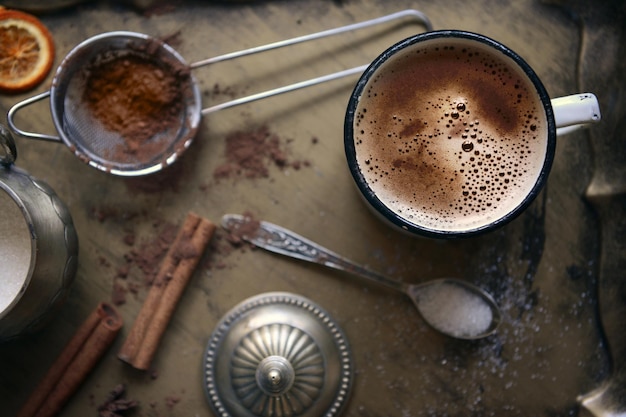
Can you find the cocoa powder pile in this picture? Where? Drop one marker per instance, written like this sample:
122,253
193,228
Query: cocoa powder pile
136,98
250,153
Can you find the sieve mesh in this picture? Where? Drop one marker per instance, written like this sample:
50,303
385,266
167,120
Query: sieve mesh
88,137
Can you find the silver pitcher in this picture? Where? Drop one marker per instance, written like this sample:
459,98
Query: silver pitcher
38,248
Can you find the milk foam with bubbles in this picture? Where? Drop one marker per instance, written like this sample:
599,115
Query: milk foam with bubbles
450,137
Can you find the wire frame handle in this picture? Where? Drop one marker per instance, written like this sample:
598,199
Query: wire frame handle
419,17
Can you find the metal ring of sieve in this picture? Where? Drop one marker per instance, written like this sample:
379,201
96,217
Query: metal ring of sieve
96,145
88,137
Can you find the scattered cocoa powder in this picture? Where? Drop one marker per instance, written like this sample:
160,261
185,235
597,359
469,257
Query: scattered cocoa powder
248,228
144,254
118,295
106,212
172,400
148,254
122,271
173,39
218,90
101,214
224,243
115,404
249,154
186,251
129,239
138,99
104,262
219,248
158,8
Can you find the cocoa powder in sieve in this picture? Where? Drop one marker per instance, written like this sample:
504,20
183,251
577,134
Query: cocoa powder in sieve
137,99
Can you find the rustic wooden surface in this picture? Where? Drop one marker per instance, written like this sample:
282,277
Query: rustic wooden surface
542,268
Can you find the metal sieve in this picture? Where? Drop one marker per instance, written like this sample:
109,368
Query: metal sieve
99,147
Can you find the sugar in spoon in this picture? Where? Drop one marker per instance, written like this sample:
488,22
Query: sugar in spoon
451,306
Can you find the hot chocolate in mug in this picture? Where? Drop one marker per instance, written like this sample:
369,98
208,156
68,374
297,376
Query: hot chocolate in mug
451,134
38,248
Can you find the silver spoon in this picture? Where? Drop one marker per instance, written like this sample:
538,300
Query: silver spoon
451,306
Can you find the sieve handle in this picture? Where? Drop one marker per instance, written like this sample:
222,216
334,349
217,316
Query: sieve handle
32,135
284,89
416,14
419,16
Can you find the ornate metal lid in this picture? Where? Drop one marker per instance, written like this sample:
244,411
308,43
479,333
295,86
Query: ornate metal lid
277,354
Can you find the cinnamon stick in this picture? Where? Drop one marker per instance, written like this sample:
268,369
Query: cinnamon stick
74,363
174,273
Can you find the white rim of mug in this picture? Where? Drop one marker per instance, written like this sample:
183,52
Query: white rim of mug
362,183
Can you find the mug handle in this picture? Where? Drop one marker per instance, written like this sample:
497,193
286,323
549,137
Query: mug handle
575,112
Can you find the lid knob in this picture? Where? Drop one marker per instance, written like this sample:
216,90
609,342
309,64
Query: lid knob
275,375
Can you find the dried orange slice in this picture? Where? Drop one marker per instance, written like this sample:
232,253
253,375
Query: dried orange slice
26,51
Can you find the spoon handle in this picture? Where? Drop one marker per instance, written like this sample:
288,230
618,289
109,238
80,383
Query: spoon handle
279,240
